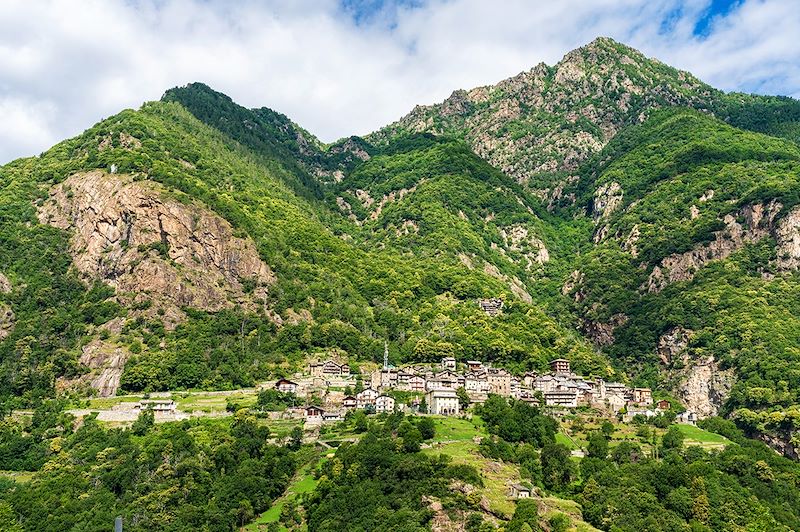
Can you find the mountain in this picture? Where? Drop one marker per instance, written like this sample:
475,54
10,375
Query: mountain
156,252
631,218
541,125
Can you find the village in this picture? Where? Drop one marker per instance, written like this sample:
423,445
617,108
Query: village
326,390
450,387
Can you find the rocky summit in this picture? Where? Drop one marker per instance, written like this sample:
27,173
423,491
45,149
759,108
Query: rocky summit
606,227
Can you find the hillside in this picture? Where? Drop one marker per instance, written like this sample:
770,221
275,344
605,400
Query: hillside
169,255
194,243
693,279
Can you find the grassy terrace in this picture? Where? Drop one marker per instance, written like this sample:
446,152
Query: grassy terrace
450,429
707,440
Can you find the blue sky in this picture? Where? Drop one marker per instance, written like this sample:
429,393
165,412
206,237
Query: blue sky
341,67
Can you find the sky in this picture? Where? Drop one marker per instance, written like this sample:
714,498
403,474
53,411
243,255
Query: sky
344,67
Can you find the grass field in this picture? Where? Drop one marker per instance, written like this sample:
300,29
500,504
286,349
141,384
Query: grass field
455,429
697,436
565,440
212,402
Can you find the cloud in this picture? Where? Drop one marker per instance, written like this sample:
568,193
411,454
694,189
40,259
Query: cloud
349,67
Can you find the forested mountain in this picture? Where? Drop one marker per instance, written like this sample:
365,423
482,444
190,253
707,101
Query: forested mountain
633,219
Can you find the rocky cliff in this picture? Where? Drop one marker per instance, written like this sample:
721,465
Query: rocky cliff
153,247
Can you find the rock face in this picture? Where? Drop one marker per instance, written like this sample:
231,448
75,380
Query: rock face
602,334
519,239
6,320
6,314
672,345
128,234
758,222
704,387
787,236
5,284
607,199
107,363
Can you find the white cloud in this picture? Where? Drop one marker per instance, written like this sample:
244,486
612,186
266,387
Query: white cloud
65,64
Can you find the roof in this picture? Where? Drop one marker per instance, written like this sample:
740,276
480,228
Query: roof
520,487
287,381
443,391
559,360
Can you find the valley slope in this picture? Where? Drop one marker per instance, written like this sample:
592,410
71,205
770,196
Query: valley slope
633,219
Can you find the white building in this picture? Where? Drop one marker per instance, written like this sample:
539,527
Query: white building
443,402
561,398
366,397
384,403
449,363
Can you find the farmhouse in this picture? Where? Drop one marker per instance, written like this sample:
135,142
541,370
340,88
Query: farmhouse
286,386
156,405
349,402
518,491
314,413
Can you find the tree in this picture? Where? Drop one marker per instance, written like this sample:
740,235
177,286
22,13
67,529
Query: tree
427,428
463,398
701,508
526,517
8,520
360,421
411,439
673,438
144,422
607,428
557,469
296,438
598,445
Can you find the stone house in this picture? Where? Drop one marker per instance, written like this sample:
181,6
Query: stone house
286,386
499,381
476,383
328,369
642,396
560,365
443,402
449,363
519,491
